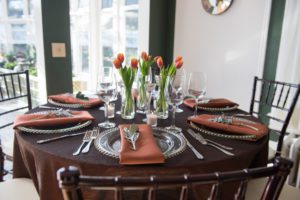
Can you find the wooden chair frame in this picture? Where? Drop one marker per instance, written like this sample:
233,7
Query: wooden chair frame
71,182
11,89
275,94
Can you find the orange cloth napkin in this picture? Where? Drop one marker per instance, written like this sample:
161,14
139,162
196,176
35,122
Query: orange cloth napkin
70,99
50,120
235,128
147,151
212,103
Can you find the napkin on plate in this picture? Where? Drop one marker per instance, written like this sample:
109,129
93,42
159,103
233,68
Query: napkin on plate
70,99
49,119
147,151
238,127
212,103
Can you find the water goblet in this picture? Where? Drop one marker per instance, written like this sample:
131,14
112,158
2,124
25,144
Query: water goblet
175,94
197,87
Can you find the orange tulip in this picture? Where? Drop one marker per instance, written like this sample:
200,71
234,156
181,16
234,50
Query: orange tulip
144,56
179,64
178,58
120,57
134,63
117,63
155,58
160,62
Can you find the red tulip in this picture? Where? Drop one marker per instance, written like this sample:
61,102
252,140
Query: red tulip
120,57
179,64
160,62
178,58
134,63
117,63
155,58
144,56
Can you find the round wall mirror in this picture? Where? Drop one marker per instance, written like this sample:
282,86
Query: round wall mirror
216,7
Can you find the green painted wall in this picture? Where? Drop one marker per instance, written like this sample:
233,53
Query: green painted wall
162,22
273,44
56,28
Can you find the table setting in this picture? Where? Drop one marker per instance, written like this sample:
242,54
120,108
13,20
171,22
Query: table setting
151,137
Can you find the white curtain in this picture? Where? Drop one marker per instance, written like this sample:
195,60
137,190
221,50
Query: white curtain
288,67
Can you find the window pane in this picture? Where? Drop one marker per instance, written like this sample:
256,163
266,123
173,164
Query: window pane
132,20
1,9
15,8
19,33
85,58
130,53
83,3
20,50
30,7
2,33
107,56
107,3
131,2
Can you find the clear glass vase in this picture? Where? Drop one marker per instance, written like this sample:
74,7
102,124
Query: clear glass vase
128,107
161,109
142,98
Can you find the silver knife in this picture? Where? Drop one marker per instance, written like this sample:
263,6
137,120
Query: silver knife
204,142
198,155
59,137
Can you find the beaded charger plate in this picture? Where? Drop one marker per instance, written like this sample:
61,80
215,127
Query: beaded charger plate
67,105
72,127
51,131
204,130
171,144
228,108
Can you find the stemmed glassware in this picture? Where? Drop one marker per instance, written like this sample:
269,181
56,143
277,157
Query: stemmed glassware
107,91
175,94
149,87
197,87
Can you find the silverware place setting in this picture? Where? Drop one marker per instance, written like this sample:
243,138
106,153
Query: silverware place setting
211,143
132,135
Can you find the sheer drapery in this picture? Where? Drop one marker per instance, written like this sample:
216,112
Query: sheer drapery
288,67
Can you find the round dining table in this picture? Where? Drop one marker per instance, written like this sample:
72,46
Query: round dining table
41,161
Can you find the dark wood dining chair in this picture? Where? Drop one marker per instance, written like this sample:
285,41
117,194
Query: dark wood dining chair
13,86
274,102
71,182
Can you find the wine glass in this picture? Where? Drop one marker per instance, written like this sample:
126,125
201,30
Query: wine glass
182,72
175,94
107,90
197,87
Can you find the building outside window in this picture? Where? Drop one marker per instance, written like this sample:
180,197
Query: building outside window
18,39
109,27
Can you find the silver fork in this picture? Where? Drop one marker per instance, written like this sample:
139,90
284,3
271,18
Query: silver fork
94,135
85,139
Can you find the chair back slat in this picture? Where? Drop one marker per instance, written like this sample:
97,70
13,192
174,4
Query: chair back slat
151,193
286,97
184,193
241,192
276,102
6,86
215,191
13,90
19,84
13,85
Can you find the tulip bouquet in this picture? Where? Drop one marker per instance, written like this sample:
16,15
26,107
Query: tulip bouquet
144,77
127,74
165,72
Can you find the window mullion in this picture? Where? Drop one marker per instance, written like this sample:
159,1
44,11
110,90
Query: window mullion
94,47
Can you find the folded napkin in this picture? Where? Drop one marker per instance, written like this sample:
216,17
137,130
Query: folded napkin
70,99
237,127
39,120
212,103
147,151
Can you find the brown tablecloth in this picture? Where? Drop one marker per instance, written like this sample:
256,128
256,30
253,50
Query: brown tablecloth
41,161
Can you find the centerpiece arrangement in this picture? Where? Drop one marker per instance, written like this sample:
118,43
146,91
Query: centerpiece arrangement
165,72
144,77
127,74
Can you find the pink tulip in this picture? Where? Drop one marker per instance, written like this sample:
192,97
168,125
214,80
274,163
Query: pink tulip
160,62
117,63
144,56
120,57
179,64
134,63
